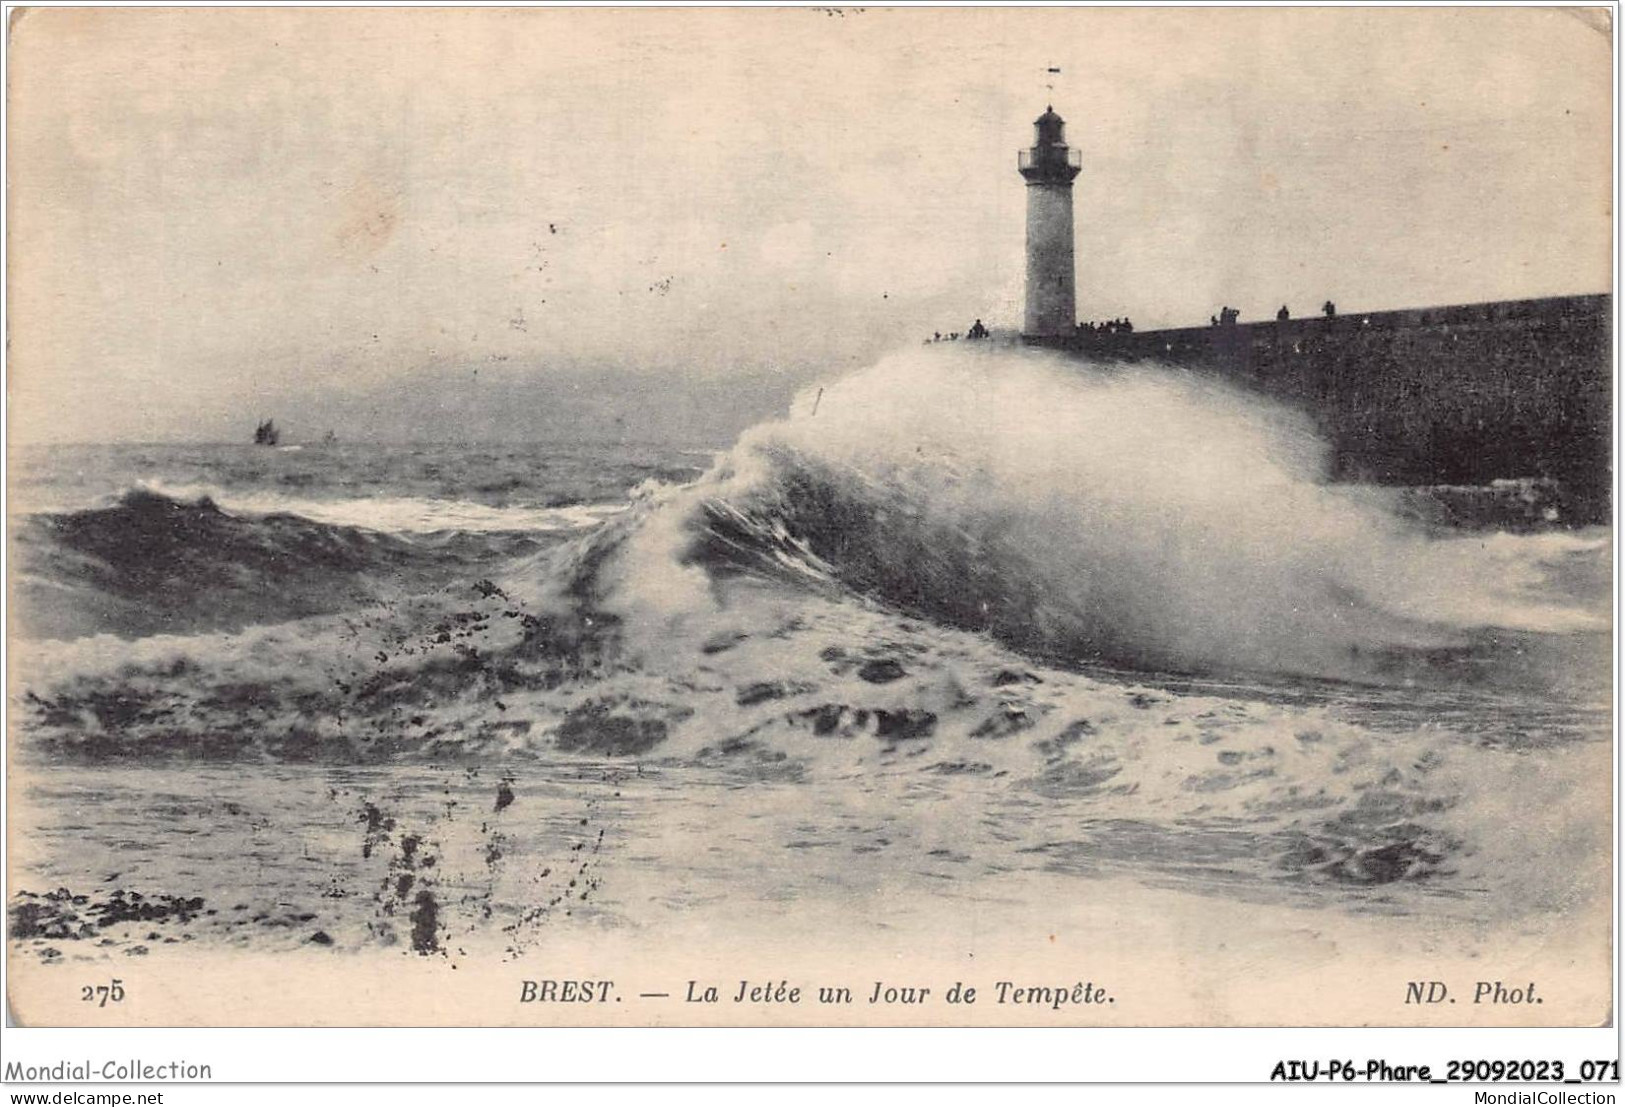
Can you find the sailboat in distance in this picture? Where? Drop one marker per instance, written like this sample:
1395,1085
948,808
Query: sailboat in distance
267,434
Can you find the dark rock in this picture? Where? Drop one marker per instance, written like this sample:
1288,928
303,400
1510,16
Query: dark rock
426,924
881,671
753,694
906,723
721,643
594,728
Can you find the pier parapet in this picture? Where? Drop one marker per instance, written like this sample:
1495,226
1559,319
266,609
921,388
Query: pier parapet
1458,394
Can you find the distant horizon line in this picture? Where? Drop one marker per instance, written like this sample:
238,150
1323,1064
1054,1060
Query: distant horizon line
694,443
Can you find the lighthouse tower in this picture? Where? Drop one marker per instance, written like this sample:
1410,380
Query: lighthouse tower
1052,308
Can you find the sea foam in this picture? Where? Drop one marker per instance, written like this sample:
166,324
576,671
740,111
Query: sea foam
1135,515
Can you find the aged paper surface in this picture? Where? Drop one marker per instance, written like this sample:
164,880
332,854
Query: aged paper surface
656,517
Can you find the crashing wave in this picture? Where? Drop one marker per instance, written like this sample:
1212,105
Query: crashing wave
1131,516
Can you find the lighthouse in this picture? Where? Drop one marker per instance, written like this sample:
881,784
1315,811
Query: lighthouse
1052,308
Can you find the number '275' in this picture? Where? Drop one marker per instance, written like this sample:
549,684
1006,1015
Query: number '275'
103,994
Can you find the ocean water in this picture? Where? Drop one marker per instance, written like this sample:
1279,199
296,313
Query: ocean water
965,635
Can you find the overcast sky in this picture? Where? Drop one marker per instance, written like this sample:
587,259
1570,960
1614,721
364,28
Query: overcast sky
542,223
